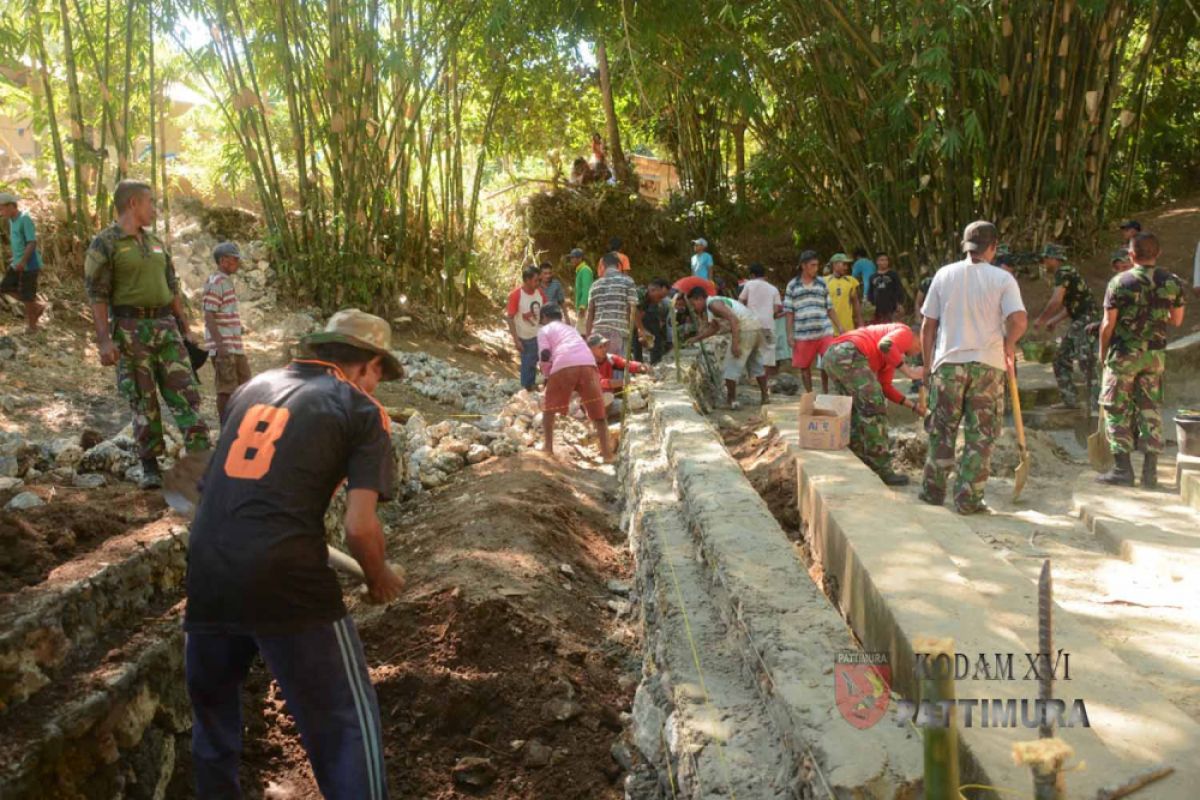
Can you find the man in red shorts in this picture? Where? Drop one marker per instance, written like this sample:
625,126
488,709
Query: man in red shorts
811,322
570,368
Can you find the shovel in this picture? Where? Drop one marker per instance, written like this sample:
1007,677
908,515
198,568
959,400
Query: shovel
1022,473
181,490
1099,454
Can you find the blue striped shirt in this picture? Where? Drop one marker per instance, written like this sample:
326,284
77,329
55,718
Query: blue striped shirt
811,305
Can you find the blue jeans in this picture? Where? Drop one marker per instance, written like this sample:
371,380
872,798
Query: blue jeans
323,674
529,363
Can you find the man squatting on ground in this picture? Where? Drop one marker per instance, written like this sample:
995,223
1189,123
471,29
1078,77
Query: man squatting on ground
861,364
139,319
613,370
258,579
747,344
570,368
973,319
1139,304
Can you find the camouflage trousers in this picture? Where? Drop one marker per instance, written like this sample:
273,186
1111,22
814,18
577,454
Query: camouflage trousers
850,374
1075,346
153,359
1131,394
974,395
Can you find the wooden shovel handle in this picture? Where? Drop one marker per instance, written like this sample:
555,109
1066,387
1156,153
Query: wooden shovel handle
1018,420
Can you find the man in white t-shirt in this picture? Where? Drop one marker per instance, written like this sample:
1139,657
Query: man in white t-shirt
764,301
973,319
523,313
746,341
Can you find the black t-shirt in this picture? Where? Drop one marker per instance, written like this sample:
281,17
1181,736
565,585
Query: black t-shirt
886,292
256,557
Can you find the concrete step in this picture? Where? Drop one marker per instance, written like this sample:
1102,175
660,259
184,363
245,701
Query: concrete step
697,709
1162,535
789,633
1183,465
45,627
1189,488
907,570
110,729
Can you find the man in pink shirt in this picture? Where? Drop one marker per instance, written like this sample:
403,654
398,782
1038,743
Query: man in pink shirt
861,364
570,368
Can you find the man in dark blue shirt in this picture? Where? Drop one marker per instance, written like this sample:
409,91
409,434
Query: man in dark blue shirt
258,579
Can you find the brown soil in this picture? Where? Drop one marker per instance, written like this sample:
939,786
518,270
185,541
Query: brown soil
490,630
73,522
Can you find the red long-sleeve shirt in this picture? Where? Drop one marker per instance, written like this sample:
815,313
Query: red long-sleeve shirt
867,340
612,362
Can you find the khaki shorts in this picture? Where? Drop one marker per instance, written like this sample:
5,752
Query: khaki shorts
232,371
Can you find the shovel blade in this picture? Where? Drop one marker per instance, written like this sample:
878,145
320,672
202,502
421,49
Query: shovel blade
1099,454
181,483
1021,475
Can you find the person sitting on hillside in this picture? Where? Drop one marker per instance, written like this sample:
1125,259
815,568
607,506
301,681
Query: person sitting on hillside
581,173
567,362
613,369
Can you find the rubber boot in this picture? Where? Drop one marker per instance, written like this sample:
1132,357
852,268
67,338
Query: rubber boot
893,479
1150,471
1121,474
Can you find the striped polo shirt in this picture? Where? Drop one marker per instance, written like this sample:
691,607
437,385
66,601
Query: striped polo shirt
810,304
612,297
220,300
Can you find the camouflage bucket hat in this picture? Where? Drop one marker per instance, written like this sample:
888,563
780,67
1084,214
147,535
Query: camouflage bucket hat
1054,251
364,331
1120,254
840,258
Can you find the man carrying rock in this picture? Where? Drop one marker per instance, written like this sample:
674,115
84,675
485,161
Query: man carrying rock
522,312
21,277
139,318
613,370
861,364
973,319
747,342
1139,304
1070,299
223,325
570,369
258,579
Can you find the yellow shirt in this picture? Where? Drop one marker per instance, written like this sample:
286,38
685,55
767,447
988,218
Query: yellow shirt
841,290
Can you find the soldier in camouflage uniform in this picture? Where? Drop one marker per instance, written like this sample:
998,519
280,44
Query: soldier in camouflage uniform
861,364
1139,304
139,318
973,318
1070,299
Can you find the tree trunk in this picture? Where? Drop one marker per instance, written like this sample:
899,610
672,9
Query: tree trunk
60,163
76,109
615,154
739,150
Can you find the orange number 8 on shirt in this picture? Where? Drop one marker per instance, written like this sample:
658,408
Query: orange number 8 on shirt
251,453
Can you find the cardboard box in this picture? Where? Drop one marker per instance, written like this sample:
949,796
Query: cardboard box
825,421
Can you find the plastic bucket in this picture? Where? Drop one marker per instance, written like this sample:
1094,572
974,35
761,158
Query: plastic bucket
1187,433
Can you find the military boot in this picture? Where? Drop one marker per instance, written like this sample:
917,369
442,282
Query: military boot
1121,474
890,478
151,475
1150,471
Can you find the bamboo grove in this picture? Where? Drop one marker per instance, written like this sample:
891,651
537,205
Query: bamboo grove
368,128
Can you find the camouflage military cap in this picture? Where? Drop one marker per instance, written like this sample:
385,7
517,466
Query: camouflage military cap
1120,254
1054,251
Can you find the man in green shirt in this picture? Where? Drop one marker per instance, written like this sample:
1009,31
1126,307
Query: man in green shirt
21,277
583,287
131,281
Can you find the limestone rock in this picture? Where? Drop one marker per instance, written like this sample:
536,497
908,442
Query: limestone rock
9,467
504,447
561,710
478,453
92,480
439,431
9,484
536,754
446,461
785,384
23,501
456,446
432,478
474,771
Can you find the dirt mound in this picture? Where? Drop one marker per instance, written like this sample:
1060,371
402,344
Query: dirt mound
35,541
504,648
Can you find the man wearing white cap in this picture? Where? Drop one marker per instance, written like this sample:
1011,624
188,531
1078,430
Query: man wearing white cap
21,277
702,260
